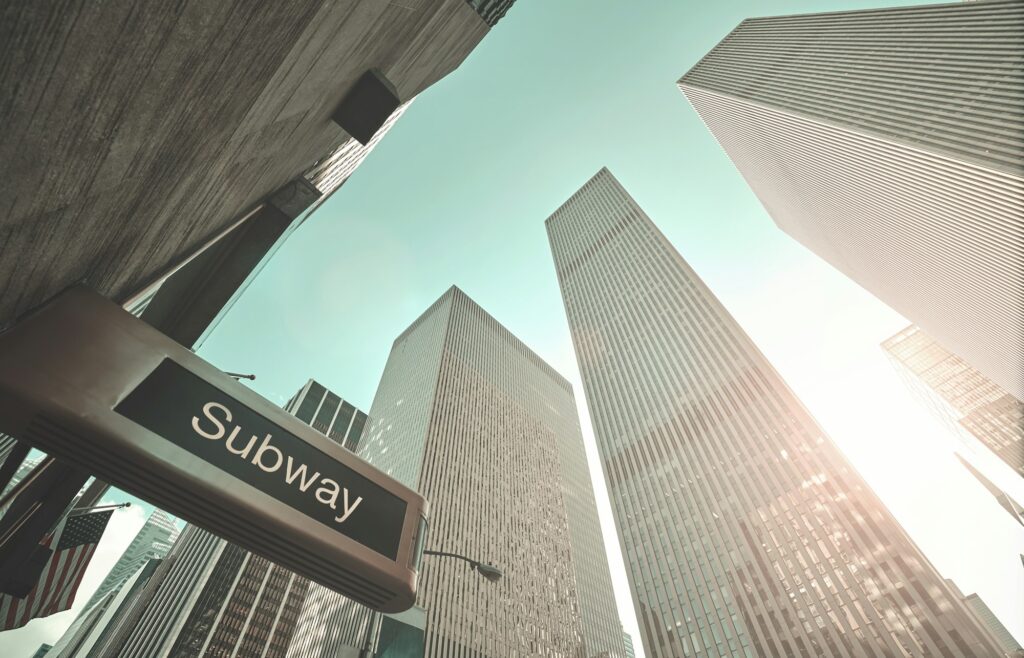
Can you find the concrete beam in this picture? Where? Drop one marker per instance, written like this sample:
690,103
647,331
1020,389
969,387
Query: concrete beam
135,130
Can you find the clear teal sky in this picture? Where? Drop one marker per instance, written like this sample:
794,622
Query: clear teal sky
458,192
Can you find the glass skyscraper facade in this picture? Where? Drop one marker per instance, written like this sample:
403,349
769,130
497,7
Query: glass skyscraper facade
153,541
97,632
328,414
1012,507
984,615
331,172
491,11
744,529
327,620
961,395
627,640
889,143
489,434
248,607
1006,640
7,443
217,599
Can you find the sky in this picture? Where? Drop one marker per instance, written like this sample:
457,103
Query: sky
457,193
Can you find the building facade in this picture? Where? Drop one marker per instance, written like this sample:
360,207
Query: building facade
7,443
977,605
24,469
960,394
259,86
152,542
744,529
489,434
892,151
328,414
627,641
1007,642
103,620
328,621
491,11
218,599
1012,507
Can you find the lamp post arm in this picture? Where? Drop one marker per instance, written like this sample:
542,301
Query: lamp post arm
472,563
488,571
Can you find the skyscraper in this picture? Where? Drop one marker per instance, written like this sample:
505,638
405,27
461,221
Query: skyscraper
491,11
1007,642
627,640
328,414
984,614
24,469
103,621
745,531
152,541
7,443
960,394
219,599
1012,507
327,620
488,433
888,142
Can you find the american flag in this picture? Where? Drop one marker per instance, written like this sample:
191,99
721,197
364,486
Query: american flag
58,583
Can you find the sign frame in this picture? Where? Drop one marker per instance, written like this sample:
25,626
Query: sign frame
66,367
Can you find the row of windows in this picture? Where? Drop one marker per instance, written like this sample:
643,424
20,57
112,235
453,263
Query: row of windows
684,403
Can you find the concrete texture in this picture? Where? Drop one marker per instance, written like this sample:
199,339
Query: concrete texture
132,132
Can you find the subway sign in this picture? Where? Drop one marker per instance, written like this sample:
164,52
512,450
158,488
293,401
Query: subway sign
88,383
184,409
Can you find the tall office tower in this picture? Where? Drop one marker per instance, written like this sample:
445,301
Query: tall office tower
152,541
745,531
1012,507
219,599
7,443
488,433
962,396
893,151
328,414
327,620
627,640
102,621
331,172
491,11
1007,642
23,470
984,614
599,616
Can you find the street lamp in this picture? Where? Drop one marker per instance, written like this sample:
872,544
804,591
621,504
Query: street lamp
488,571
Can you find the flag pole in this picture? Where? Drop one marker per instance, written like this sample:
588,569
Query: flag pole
83,510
